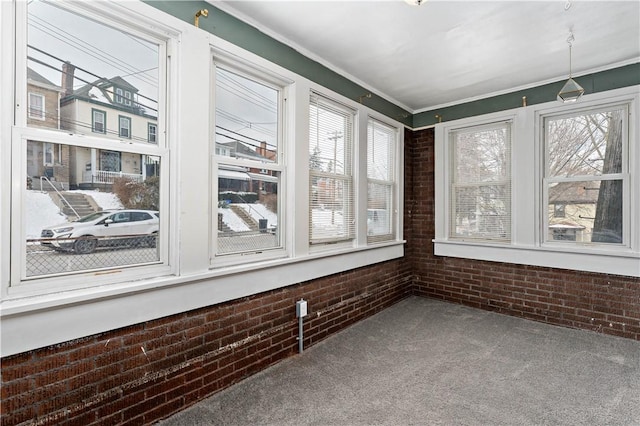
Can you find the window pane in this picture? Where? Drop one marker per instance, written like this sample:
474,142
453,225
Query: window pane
591,211
481,187
381,142
78,64
37,107
247,211
331,182
481,155
379,209
380,151
588,144
82,215
246,118
331,210
482,212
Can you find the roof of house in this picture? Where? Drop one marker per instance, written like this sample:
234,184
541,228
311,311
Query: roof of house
574,193
34,76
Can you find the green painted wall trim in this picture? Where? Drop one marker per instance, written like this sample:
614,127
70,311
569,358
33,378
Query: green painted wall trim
251,39
615,78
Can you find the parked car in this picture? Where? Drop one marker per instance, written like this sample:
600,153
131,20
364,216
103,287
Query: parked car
107,228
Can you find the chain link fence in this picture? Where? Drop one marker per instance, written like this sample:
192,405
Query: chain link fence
50,256
247,241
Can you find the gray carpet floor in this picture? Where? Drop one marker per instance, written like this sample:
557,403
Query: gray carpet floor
426,362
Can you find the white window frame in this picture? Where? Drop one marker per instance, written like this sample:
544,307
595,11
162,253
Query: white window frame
391,184
507,124
40,113
269,78
124,119
19,284
348,177
97,113
529,209
622,176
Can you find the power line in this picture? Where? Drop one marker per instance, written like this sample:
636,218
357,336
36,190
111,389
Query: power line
85,81
77,43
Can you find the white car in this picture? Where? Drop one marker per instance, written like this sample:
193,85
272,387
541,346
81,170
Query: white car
107,228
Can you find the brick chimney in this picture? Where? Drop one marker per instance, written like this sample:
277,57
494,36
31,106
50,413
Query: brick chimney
68,71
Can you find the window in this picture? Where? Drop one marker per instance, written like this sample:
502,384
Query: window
36,106
152,130
586,173
571,170
381,175
331,203
48,157
44,233
480,189
124,126
119,93
98,121
127,98
247,140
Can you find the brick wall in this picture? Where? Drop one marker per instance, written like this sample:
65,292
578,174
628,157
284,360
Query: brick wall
599,302
143,373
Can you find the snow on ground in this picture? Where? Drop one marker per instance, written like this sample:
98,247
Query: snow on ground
257,211
233,221
106,200
41,211
260,211
327,223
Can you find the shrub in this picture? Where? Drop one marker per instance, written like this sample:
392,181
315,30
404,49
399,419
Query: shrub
238,197
138,195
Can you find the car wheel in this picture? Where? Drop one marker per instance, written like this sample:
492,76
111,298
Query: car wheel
85,245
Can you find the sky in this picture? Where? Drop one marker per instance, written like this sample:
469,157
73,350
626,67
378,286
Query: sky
92,46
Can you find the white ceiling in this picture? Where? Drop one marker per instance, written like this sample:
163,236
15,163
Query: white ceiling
444,51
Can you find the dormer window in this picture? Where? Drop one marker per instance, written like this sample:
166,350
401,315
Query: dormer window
119,93
127,98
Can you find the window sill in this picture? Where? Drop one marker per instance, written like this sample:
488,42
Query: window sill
99,309
620,261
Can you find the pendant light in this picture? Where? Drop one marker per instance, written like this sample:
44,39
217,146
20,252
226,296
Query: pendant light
571,91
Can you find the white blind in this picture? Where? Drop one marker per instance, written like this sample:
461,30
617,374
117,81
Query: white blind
481,183
381,147
331,216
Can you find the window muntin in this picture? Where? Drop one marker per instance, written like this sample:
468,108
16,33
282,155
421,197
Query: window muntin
480,187
91,65
247,127
36,106
331,193
124,127
381,149
586,171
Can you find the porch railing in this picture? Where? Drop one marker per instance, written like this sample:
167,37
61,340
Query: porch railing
103,176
